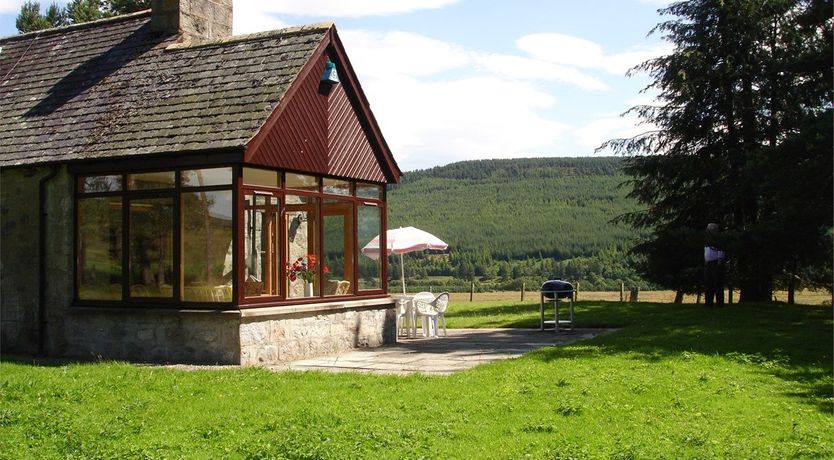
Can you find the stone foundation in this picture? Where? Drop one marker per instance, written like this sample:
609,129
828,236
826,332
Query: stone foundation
274,337
252,337
152,336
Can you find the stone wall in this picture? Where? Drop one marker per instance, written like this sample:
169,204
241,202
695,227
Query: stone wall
153,336
287,337
19,259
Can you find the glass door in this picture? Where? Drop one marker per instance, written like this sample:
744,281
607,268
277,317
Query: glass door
261,248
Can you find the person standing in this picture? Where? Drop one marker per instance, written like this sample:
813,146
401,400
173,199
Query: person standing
713,269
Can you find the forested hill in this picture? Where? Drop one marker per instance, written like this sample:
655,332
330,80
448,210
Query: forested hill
518,217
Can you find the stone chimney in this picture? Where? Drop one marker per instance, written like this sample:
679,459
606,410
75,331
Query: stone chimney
195,19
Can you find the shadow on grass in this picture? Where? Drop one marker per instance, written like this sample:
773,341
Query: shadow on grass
500,315
790,342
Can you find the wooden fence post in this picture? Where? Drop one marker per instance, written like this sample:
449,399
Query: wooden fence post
635,292
523,286
576,293
622,292
471,292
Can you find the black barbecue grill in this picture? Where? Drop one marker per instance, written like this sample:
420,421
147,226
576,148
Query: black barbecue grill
556,291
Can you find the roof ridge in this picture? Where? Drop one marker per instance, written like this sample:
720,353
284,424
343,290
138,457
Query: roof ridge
80,25
287,31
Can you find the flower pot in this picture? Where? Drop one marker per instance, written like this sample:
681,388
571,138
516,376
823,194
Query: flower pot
308,290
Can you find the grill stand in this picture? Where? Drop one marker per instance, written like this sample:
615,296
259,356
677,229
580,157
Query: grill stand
568,323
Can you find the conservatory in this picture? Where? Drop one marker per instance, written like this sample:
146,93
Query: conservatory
224,237
178,194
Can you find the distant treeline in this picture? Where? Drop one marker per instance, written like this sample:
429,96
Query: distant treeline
509,221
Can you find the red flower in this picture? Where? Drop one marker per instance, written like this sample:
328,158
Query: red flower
304,269
325,269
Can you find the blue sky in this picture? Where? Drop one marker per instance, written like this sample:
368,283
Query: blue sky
452,80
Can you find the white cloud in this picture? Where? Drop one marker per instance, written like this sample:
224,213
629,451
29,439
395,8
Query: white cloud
345,9
412,54
610,126
249,17
562,49
517,67
438,102
402,53
257,16
429,123
436,106
578,52
10,6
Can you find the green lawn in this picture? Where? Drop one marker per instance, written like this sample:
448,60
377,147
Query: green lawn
673,382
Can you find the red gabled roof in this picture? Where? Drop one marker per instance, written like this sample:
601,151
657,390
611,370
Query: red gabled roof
329,131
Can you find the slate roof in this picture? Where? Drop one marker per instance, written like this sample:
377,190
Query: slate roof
111,88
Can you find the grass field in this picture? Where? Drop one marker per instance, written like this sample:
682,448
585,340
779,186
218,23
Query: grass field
804,297
676,381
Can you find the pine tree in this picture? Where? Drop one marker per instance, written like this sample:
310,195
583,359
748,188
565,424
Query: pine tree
76,12
86,10
745,90
30,18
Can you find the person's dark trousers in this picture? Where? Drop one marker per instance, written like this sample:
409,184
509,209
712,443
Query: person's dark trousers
714,283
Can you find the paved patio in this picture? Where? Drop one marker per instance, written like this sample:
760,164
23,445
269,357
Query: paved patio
462,349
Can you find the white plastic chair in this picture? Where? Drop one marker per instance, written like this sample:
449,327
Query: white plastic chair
404,317
424,308
440,303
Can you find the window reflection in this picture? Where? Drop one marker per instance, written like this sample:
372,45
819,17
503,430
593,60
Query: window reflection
151,251
207,246
151,181
302,182
337,251
100,248
336,187
372,191
206,177
263,177
92,184
368,227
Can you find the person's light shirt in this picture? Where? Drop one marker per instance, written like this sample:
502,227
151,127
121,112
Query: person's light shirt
712,254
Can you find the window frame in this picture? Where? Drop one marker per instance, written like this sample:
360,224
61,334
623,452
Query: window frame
175,194
282,191
244,190
238,190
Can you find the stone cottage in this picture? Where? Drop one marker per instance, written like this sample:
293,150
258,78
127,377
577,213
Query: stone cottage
174,193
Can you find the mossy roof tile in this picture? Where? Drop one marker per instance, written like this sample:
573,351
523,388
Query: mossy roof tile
112,88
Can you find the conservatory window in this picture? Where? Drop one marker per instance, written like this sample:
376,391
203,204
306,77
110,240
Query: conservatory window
368,227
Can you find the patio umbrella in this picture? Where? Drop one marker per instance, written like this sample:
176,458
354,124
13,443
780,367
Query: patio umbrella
401,241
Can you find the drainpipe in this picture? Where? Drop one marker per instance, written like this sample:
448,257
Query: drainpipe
42,215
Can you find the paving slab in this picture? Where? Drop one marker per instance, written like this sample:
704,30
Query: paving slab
459,350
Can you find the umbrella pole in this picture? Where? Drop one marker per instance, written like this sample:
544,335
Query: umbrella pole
402,272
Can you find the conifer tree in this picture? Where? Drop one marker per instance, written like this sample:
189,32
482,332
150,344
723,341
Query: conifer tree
77,11
30,18
744,108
